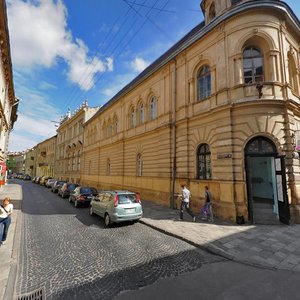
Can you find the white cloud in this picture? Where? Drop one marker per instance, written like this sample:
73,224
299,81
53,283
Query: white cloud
39,36
116,85
29,131
43,85
139,64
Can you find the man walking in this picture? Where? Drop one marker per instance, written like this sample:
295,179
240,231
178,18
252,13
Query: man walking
185,202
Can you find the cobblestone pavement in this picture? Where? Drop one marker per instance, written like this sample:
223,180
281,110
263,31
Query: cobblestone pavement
268,246
72,256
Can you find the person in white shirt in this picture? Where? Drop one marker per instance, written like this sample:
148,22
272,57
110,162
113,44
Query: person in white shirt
185,202
6,210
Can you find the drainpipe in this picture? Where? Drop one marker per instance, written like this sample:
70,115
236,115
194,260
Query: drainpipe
172,204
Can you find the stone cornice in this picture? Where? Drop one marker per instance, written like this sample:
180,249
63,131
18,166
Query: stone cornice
198,33
5,52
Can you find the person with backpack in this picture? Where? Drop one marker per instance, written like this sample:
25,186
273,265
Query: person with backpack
6,210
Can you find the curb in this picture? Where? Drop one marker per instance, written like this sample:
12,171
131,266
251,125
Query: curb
10,287
212,249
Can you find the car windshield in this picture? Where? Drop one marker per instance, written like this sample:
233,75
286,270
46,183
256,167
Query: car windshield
87,190
127,198
60,182
71,187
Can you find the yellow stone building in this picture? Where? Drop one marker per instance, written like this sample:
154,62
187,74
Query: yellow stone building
220,108
70,143
29,161
45,157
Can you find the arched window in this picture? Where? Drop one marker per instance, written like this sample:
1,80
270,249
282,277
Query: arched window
204,82
142,113
204,162
293,76
108,167
260,146
153,108
234,2
253,65
139,165
132,118
212,11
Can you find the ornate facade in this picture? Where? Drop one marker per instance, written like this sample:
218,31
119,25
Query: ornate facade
219,109
70,143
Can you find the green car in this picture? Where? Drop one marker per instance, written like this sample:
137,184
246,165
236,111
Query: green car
116,206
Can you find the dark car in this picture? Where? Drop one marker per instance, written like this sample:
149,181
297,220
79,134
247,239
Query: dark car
81,195
57,184
27,177
67,189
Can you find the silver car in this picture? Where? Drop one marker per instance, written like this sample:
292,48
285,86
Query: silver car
116,206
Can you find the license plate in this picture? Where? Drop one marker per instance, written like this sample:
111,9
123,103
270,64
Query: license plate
130,210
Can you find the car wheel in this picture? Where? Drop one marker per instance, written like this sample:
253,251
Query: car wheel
91,211
76,203
70,199
107,220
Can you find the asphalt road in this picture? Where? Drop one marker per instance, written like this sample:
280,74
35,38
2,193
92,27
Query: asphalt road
70,255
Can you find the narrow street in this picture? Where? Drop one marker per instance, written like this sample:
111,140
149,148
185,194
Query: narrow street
72,256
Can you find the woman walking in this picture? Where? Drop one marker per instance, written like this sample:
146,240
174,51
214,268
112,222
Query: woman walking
6,210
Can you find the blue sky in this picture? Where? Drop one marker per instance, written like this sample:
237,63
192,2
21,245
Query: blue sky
65,52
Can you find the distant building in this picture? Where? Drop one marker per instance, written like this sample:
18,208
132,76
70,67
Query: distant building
70,143
30,161
8,102
45,157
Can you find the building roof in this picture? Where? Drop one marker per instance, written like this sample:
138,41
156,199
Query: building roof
196,34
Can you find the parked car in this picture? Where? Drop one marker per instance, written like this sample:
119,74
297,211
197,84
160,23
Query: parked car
116,206
50,182
82,195
57,184
37,180
33,179
27,177
44,179
66,189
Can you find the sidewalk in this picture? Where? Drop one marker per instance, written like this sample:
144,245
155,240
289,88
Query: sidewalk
9,251
268,246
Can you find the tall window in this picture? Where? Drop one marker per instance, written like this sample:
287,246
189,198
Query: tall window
78,161
132,118
212,11
204,83
293,76
73,162
253,65
108,167
139,165
142,114
153,107
204,162
116,125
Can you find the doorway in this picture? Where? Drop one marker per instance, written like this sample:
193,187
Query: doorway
266,183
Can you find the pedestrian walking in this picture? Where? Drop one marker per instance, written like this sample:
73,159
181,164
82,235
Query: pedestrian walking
6,210
206,209
185,202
